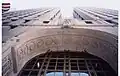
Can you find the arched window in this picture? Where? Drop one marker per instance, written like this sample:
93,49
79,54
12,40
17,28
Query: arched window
67,64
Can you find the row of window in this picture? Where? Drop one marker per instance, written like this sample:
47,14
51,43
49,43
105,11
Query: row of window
6,22
55,15
79,15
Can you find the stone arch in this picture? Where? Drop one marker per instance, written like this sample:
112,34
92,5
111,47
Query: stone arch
98,43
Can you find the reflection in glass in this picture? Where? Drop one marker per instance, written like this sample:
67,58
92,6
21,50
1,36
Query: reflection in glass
84,74
59,73
50,74
38,64
74,74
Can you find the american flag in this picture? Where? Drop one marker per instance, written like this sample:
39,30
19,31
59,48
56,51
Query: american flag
5,7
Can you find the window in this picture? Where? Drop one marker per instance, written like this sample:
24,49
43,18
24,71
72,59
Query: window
26,20
46,22
88,22
110,21
65,64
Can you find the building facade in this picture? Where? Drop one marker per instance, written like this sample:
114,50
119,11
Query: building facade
5,7
39,42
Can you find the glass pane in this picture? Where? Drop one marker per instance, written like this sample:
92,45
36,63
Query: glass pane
25,73
50,74
58,73
34,73
84,74
74,74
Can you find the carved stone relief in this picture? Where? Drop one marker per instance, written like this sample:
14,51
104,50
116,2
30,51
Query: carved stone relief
83,42
38,43
6,65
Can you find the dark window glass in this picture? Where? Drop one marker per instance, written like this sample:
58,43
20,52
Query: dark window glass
67,63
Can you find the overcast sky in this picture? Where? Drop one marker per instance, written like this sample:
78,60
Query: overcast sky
65,5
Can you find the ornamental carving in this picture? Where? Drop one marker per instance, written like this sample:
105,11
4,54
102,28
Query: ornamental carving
6,65
79,41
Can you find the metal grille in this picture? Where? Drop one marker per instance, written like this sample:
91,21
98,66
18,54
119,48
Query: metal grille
67,64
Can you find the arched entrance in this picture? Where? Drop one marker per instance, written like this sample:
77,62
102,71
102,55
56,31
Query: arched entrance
66,63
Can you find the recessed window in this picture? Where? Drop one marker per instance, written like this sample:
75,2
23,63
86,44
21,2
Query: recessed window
115,18
39,15
13,26
46,22
3,41
14,19
26,20
112,22
109,21
88,22
5,22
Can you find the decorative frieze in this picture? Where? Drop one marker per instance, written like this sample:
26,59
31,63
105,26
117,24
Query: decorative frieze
80,41
49,41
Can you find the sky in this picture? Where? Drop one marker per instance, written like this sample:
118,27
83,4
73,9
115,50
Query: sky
65,5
